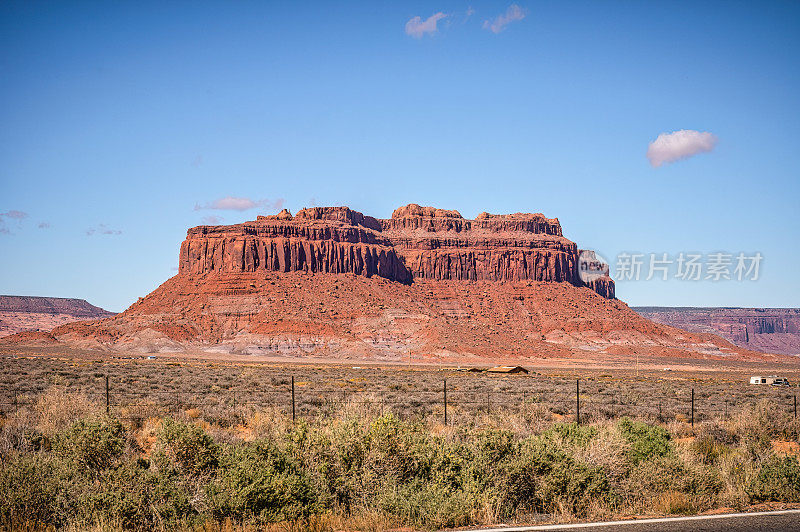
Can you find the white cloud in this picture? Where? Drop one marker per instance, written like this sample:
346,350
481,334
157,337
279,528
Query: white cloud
417,28
102,229
14,215
211,220
17,215
671,147
229,203
499,23
43,225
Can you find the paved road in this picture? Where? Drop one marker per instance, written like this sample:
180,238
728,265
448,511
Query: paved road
783,520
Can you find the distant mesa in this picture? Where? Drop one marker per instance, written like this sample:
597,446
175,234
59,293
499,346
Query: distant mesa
21,313
770,330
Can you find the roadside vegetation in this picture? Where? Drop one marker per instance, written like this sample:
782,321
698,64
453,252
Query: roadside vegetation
67,464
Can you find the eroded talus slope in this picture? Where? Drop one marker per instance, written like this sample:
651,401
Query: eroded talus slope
349,316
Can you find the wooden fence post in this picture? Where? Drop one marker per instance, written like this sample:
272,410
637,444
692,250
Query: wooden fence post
445,402
293,408
108,398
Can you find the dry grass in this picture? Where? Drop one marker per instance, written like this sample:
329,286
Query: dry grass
225,392
718,462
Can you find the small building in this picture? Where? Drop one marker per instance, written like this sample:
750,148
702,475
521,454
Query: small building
772,380
507,369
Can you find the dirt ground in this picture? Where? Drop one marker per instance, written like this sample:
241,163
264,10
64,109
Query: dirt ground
657,390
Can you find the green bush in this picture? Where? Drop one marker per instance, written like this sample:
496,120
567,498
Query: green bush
186,447
137,498
398,450
31,486
261,481
571,433
92,443
646,441
398,471
707,448
336,458
429,505
777,480
543,477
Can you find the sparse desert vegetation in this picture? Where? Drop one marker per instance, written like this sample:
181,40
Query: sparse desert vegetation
363,464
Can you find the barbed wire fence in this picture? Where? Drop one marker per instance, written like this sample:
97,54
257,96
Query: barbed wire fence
588,400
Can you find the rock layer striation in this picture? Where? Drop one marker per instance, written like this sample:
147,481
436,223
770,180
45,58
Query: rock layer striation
771,330
415,243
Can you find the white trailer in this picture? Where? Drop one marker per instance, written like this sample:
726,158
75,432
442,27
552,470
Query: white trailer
772,380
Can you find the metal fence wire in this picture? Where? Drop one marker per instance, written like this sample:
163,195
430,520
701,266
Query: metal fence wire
588,400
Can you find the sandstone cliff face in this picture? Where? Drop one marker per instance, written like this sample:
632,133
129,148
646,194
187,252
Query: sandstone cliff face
441,245
332,240
416,243
771,330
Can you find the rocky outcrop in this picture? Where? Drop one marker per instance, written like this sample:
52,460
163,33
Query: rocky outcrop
440,244
770,330
323,240
415,243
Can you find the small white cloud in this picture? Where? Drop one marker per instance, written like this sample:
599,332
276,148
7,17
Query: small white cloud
417,28
499,23
212,220
197,161
16,215
102,229
43,225
671,147
230,203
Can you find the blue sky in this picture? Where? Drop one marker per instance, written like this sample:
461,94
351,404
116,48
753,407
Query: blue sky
117,119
